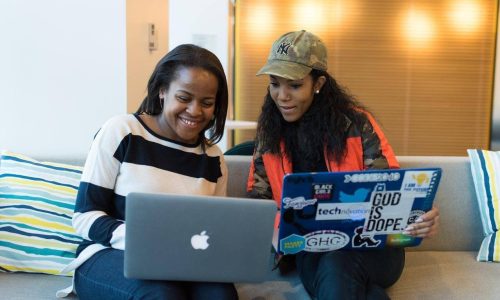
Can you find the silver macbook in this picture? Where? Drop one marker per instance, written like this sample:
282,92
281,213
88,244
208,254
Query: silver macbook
198,238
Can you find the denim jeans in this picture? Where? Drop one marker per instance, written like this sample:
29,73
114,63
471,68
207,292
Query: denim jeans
350,274
101,277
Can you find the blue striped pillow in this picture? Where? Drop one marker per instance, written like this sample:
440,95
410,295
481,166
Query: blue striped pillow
485,167
37,200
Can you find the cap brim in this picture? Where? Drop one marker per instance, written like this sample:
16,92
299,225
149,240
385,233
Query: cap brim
285,69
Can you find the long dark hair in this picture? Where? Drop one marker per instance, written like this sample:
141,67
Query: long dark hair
182,56
325,122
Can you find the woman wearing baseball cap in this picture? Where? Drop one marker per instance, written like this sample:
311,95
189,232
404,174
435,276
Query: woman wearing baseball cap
309,123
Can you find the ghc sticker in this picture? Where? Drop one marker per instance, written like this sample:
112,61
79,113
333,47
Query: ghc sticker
325,240
292,244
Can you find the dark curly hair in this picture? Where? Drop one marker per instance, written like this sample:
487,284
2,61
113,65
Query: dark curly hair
325,122
166,71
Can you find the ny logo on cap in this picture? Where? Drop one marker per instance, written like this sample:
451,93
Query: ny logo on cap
283,48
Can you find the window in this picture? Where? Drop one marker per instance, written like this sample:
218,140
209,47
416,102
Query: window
424,68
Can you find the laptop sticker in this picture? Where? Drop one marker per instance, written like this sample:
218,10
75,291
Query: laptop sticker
326,211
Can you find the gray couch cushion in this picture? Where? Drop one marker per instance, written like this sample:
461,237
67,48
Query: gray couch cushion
460,228
446,275
30,286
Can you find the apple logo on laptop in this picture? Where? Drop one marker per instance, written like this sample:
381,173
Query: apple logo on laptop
199,241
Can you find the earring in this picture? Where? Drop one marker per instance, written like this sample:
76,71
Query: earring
317,91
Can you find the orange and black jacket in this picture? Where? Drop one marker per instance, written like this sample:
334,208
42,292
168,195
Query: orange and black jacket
366,148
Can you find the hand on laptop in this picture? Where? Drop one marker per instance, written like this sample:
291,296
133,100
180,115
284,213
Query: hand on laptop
426,225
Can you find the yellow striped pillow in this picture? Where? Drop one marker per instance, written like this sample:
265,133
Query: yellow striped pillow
37,200
485,167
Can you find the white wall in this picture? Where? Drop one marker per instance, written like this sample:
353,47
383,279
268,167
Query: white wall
67,66
62,73
200,22
203,23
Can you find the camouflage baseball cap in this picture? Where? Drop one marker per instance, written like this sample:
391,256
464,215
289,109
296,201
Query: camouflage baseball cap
294,55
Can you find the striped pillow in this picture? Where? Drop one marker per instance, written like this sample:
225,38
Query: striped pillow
485,167
37,200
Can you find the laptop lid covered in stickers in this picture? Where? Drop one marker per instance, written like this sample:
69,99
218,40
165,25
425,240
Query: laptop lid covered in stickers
327,211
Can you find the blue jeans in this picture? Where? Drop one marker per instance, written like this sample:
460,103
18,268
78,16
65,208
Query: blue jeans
101,277
350,274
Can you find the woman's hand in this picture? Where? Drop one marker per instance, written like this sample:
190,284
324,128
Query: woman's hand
426,225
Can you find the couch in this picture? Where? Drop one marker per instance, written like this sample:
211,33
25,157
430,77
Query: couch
443,267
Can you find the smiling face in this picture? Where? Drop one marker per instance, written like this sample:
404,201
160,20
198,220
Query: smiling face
294,97
188,104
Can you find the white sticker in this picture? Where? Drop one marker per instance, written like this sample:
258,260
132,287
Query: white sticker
297,203
325,240
343,211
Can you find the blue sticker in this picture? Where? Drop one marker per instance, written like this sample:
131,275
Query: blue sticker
292,244
359,195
